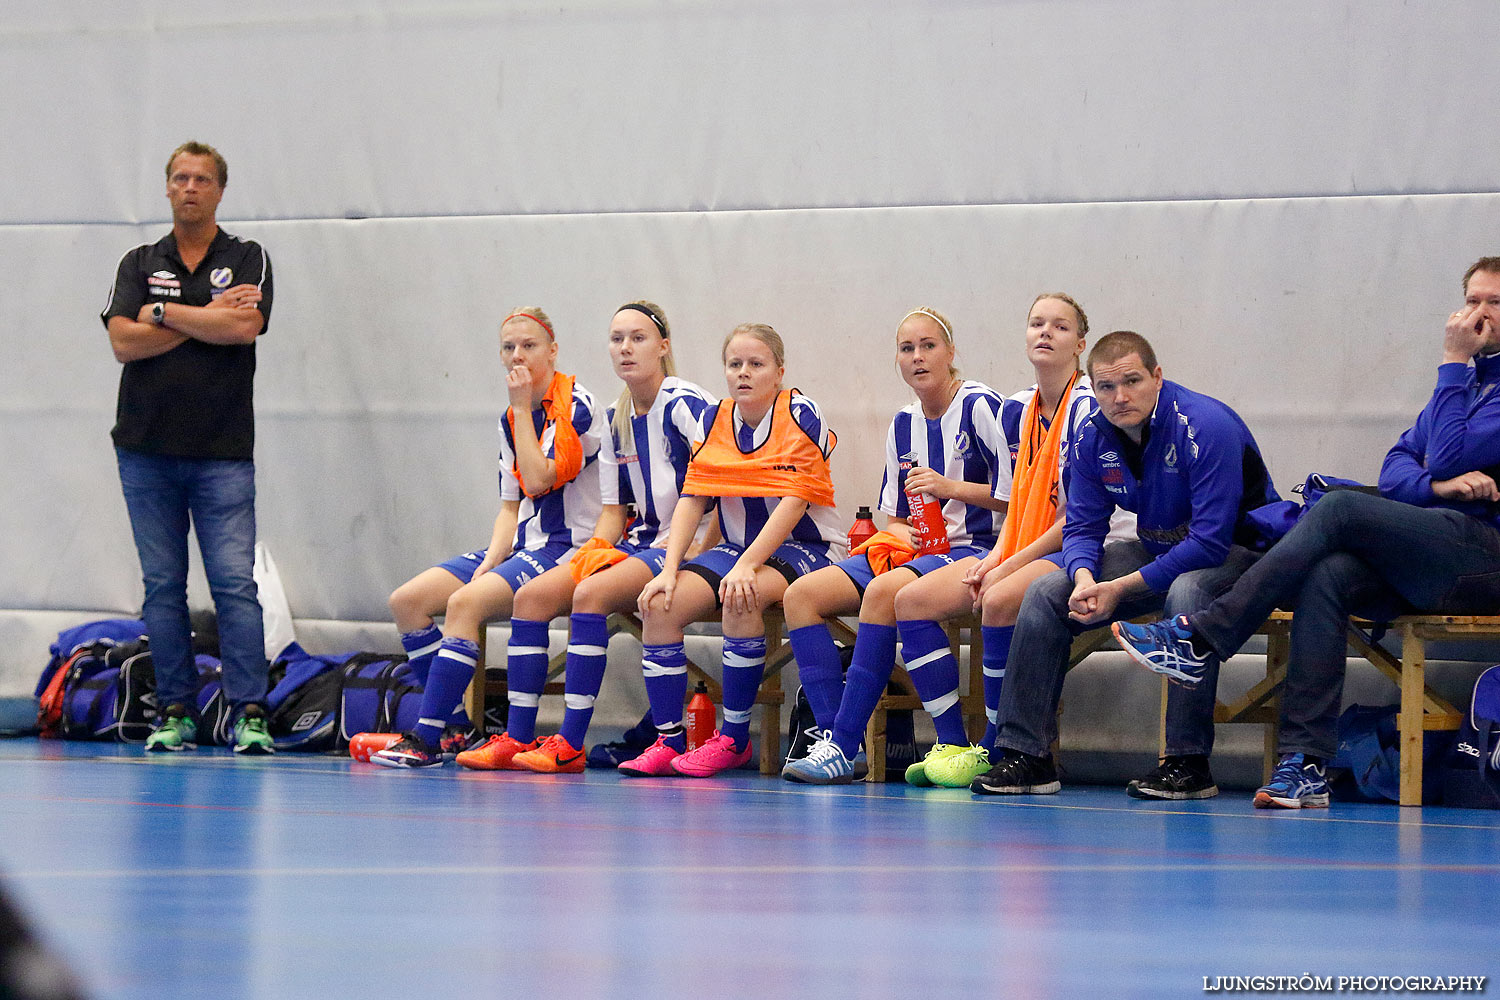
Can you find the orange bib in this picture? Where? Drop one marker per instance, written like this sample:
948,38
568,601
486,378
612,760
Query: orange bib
567,448
1033,497
788,464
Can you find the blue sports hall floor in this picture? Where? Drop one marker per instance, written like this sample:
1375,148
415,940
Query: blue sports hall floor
203,875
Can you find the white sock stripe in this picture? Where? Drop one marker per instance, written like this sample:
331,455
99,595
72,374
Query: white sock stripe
525,650
464,658
521,699
939,705
735,660
993,715
670,728
994,671
434,723
736,716
576,649
578,700
922,661
650,669
431,647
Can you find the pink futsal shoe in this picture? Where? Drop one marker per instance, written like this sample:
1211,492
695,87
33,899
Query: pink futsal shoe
654,762
718,754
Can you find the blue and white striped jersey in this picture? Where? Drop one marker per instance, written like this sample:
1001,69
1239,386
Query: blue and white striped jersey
966,443
567,514
648,469
742,518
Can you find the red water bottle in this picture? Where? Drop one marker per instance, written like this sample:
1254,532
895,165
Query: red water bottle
863,528
928,528
699,719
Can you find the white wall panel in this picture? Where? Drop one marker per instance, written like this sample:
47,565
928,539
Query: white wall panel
385,109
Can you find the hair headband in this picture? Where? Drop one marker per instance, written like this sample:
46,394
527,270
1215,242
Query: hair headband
932,316
526,315
661,328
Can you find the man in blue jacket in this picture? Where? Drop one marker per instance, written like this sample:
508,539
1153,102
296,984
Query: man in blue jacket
1430,542
1190,470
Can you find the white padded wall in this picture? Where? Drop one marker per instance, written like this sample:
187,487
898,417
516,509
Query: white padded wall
1281,197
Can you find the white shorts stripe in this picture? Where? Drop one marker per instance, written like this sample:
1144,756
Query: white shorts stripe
577,649
938,706
922,661
578,700
521,699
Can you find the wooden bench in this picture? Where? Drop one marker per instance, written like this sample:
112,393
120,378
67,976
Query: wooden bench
1421,708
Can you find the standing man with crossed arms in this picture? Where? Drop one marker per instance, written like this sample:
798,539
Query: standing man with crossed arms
183,318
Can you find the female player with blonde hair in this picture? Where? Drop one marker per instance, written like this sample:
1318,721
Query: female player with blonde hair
549,503
761,455
949,446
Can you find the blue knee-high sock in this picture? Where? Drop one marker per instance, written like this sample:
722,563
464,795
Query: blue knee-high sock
934,673
421,646
588,645
820,670
451,671
996,652
665,669
744,666
525,676
874,659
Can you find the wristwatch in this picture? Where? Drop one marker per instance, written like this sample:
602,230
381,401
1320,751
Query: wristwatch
158,313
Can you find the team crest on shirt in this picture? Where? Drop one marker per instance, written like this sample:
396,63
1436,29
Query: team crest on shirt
220,277
1171,456
962,445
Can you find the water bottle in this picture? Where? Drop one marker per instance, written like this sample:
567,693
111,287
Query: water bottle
928,529
863,528
698,721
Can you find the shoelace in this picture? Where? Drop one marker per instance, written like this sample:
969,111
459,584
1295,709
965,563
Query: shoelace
823,751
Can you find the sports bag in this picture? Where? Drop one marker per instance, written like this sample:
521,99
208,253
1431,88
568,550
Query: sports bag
380,694
303,704
1275,519
1367,766
1471,777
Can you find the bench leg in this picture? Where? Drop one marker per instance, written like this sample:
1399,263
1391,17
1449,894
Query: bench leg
1413,684
1278,655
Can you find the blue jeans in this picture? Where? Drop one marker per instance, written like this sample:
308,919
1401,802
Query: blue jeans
1039,651
162,494
1353,553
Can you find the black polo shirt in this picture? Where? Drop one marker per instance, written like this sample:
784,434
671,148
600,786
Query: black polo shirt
196,400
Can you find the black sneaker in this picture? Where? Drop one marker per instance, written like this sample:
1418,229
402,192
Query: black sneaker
1018,774
1176,777
628,747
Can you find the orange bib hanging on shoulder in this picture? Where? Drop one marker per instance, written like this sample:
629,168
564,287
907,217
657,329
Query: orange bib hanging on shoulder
788,464
567,448
1033,497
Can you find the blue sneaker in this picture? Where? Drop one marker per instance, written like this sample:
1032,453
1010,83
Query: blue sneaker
1297,783
825,764
1164,647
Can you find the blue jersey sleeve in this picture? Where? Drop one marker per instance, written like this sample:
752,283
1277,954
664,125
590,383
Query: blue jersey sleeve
1216,483
1089,506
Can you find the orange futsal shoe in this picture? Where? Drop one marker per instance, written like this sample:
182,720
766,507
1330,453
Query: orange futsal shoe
364,744
555,756
496,754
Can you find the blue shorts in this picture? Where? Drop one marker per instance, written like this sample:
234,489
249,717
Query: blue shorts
521,568
791,560
654,558
857,568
